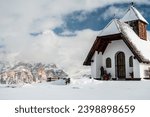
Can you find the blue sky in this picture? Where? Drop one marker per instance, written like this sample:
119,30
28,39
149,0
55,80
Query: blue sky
96,20
57,31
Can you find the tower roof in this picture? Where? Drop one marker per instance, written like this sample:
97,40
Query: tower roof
133,14
111,28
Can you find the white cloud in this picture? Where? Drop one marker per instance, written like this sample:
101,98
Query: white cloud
67,52
148,35
18,18
114,12
82,17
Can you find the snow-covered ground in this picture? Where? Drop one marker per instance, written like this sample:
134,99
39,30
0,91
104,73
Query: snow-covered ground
79,89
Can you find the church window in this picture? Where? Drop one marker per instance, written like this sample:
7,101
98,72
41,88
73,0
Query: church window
131,61
108,63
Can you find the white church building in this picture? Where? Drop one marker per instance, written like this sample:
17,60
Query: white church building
122,48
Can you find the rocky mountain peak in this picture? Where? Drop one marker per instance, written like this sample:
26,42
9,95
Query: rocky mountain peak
28,73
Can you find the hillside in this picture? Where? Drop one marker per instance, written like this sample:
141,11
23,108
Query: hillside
26,73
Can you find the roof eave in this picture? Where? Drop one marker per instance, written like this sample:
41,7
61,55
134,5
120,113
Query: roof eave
96,46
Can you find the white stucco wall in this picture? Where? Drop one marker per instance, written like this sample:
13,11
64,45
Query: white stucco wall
111,50
143,67
95,65
139,69
117,46
136,68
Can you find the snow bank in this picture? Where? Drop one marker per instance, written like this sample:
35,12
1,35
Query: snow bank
85,81
59,82
82,89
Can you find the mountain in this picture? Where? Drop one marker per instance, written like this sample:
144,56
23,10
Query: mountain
22,73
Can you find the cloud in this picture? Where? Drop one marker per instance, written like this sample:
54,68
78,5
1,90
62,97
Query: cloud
148,35
113,11
19,18
68,52
82,17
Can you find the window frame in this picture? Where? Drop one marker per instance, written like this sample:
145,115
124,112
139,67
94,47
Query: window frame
131,61
108,62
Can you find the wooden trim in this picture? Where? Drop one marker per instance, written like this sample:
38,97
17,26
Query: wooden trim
101,43
91,52
111,37
133,79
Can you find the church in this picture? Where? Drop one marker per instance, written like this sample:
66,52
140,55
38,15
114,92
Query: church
122,49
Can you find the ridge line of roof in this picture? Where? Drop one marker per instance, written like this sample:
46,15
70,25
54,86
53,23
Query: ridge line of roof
117,24
113,20
135,11
131,7
105,27
137,14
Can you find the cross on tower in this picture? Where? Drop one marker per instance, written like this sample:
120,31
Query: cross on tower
132,3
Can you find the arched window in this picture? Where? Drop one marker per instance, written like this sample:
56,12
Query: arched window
108,63
131,61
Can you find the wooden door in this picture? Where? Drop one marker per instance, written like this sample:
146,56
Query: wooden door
120,65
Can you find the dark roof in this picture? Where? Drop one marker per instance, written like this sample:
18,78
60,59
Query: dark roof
117,30
102,42
100,45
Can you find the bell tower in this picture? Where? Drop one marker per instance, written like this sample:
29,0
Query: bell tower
139,28
139,24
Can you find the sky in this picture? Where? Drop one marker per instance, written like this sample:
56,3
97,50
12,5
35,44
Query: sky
57,31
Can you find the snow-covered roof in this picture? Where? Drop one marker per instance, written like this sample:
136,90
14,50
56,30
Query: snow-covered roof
133,14
142,47
111,28
117,29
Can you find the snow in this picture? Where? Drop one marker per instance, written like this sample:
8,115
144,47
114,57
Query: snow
142,46
133,14
79,89
111,28
59,82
